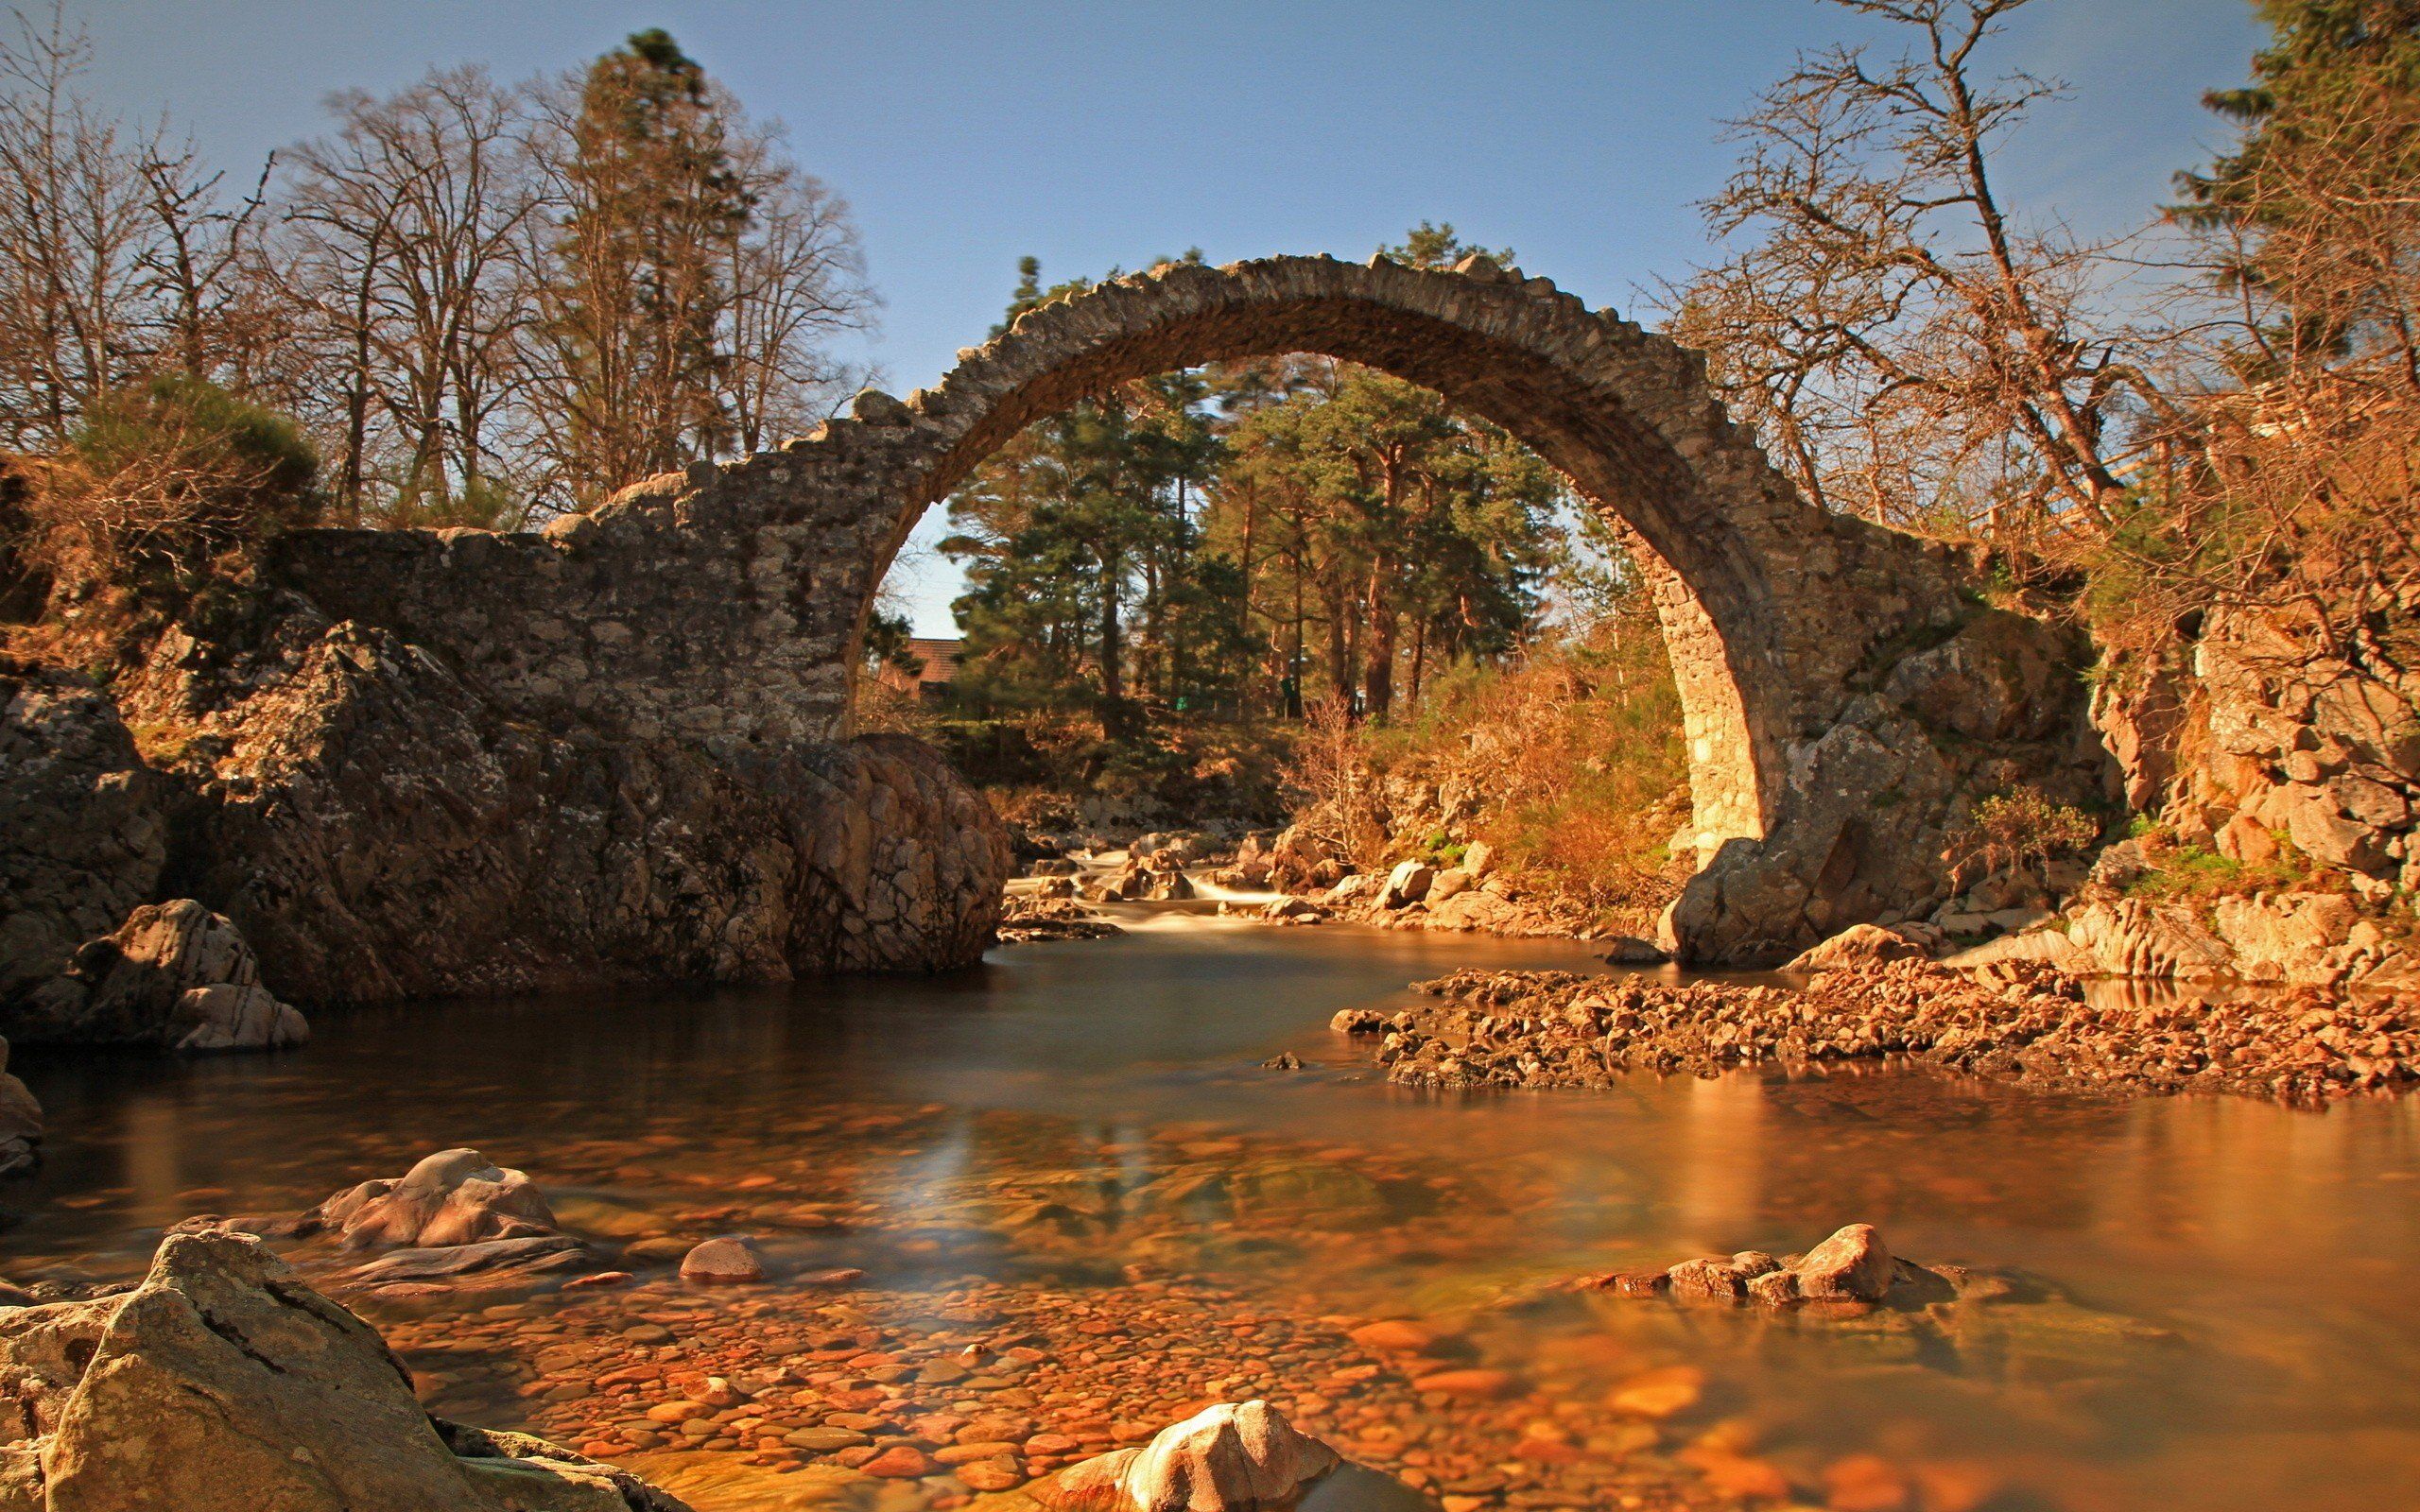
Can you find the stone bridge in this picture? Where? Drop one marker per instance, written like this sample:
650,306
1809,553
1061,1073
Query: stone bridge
1845,692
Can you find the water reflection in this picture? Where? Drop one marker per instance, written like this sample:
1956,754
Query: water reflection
2237,1322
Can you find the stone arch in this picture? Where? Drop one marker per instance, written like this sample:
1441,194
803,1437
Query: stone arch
1625,414
1844,698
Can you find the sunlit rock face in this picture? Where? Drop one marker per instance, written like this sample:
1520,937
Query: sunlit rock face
1844,694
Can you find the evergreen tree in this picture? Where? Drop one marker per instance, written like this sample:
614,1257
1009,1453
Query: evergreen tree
2314,205
654,204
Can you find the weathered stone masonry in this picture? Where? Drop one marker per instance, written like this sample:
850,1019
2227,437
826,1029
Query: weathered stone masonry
723,609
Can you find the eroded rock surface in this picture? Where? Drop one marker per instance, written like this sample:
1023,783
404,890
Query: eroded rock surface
223,1383
82,832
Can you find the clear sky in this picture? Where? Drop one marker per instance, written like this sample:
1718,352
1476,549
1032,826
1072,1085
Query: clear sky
1115,132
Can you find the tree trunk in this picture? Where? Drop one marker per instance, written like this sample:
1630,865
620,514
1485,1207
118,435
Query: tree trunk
1384,620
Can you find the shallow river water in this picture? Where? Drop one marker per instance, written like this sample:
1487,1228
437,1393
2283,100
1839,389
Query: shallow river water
2225,1310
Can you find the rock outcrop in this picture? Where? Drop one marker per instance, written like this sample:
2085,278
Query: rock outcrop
1860,945
376,825
174,976
1990,707
2249,744
2325,939
82,832
19,1121
223,1383
1226,1458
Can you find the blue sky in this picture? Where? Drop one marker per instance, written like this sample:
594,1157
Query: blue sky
1096,134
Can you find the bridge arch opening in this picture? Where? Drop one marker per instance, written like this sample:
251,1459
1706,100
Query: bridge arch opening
1596,398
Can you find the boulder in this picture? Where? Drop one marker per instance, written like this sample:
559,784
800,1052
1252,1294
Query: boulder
1168,886
1859,945
1227,1458
1354,888
723,1261
451,1197
1629,950
1478,858
1293,911
1483,910
224,1384
1852,1264
1251,874
1449,882
174,976
1407,885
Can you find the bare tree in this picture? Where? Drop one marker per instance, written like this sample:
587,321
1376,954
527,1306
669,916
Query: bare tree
402,234
203,269
796,279
74,224
1906,343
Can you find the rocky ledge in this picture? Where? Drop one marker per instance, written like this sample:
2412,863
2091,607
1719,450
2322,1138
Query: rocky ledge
2017,1021
291,806
223,1383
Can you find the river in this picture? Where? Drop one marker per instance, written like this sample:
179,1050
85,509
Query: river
2226,1320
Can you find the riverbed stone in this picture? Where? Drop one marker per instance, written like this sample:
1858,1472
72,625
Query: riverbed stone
1853,1264
722,1260
1231,1457
453,1197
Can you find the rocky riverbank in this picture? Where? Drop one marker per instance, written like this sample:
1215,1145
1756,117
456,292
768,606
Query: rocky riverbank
2017,1021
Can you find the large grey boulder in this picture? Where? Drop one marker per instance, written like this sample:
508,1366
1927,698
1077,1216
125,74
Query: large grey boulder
223,1383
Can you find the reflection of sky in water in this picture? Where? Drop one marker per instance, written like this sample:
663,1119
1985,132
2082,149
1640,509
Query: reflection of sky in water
2279,1245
